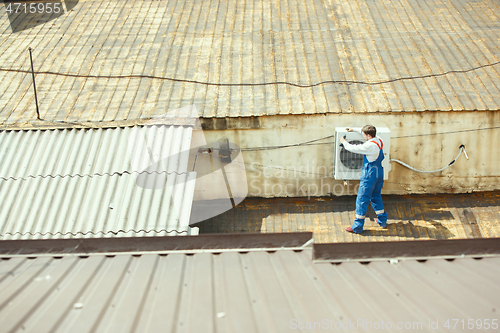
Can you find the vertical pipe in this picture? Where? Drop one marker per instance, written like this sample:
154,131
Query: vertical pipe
34,86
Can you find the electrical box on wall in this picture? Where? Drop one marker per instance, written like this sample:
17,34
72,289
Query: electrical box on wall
348,165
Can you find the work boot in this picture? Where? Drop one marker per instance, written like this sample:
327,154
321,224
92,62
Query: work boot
349,229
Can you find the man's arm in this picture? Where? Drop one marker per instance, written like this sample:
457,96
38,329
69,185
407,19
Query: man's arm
366,148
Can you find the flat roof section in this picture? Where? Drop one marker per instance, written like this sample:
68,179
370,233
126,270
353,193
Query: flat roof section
411,217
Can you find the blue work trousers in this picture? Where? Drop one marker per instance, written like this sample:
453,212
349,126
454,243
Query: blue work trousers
372,180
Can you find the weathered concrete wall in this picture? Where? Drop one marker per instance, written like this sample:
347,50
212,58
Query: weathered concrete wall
424,140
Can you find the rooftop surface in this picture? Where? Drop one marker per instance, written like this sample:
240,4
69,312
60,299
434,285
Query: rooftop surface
256,291
124,61
411,217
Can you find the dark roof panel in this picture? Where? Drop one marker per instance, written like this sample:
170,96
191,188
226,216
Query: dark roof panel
258,291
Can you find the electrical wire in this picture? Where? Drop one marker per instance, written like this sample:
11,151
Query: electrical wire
246,84
312,142
306,143
451,132
347,82
462,149
412,168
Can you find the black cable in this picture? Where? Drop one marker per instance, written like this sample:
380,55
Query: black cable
251,84
310,143
287,146
452,132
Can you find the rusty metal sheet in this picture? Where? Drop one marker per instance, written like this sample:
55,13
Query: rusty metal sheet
305,57
138,244
411,248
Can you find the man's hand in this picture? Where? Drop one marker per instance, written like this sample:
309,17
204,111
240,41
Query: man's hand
342,139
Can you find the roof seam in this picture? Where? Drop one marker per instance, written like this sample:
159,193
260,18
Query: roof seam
96,175
92,232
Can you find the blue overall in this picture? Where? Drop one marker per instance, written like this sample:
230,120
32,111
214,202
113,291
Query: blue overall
372,180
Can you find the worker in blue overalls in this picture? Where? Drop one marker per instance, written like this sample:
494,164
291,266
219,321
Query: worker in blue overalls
372,178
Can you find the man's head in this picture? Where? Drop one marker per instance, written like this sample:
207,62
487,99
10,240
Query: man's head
369,132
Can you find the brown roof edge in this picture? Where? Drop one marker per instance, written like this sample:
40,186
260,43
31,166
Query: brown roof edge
411,249
157,244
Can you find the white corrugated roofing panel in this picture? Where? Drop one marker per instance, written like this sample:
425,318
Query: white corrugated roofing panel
98,206
95,183
247,58
88,152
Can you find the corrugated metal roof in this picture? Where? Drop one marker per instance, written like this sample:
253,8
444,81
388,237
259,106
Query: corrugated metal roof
282,291
452,216
89,152
95,183
385,56
98,206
